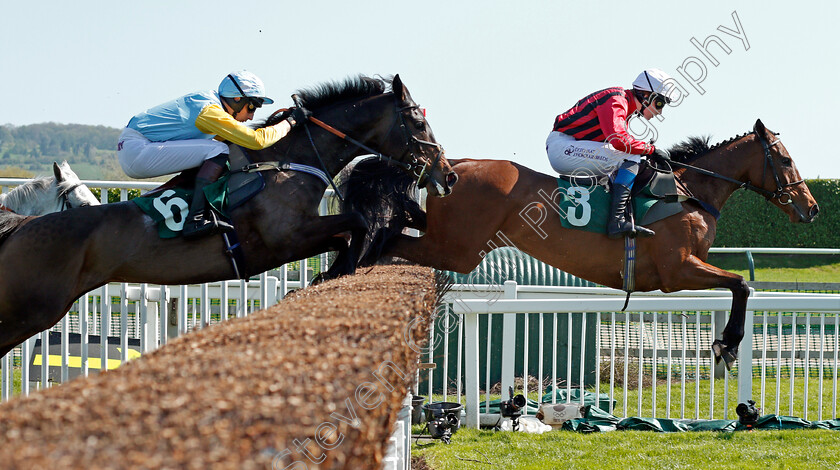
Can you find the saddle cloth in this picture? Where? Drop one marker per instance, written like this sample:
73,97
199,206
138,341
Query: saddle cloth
584,202
168,206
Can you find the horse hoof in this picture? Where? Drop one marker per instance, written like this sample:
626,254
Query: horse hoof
729,360
717,350
321,277
725,353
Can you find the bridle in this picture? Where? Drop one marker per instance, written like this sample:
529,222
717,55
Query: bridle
62,195
780,194
415,167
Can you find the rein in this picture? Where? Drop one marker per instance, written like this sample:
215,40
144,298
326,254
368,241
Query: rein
417,167
783,196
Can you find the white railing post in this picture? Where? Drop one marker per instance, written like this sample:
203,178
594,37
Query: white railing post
6,377
270,295
471,367
83,330
183,300
508,341
745,360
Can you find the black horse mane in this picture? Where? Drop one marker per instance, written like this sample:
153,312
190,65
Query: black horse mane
695,147
352,88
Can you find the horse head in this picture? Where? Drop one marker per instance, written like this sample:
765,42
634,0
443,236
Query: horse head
777,175
359,117
71,192
434,173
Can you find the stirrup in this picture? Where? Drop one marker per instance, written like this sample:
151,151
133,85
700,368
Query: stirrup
205,223
643,232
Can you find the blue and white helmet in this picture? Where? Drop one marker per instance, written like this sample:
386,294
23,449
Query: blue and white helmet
243,84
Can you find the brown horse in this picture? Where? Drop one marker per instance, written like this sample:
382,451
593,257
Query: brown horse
500,203
47,262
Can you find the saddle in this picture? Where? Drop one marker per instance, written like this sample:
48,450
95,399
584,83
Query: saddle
168,204
240,185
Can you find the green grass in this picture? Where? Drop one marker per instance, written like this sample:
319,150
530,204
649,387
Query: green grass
472,449
782,268
635,449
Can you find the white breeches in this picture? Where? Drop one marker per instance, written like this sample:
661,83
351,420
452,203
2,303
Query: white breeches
583,157
142,158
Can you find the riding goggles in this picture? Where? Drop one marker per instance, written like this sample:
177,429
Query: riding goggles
254,103
659,101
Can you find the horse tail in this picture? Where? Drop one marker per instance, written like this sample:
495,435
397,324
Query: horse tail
387,199
9,223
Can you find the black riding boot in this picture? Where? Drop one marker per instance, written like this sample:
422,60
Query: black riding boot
619,225
201,220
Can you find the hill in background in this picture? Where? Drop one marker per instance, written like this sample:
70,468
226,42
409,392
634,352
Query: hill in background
30,150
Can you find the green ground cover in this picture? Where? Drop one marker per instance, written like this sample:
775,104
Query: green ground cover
782,268
620,450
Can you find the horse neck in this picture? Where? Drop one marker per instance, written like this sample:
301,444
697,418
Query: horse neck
735,160
334,151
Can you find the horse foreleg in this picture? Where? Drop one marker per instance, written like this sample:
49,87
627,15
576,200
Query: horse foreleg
345,261
696,274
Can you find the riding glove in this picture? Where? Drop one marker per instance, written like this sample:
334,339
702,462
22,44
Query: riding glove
298,116
661,155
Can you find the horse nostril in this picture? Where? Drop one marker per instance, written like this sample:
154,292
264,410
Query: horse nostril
815,211
451,179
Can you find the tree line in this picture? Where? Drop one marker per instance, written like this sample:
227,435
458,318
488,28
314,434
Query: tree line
29,150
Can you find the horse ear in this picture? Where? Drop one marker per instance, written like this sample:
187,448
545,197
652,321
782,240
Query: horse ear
759,127
57,171
399,89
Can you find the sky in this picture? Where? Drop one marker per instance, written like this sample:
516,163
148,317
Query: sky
492,75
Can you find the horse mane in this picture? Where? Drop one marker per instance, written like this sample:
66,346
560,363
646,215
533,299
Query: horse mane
695,147
19,195
325,94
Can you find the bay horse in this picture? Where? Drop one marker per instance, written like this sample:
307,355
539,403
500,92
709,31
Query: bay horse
47,194
47,262
501,203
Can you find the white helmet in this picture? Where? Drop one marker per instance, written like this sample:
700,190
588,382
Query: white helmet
655,81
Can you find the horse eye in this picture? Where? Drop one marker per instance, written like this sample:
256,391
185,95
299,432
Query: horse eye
786,161
419,124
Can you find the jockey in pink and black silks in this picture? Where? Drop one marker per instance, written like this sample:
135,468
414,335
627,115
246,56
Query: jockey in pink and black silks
591,139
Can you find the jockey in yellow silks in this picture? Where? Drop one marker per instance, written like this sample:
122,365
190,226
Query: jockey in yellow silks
179,135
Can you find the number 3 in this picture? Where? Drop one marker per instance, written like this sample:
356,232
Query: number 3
580,200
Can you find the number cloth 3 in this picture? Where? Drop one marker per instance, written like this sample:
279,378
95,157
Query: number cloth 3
587,207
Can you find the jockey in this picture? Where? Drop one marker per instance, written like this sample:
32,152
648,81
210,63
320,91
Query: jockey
591,139
179,135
